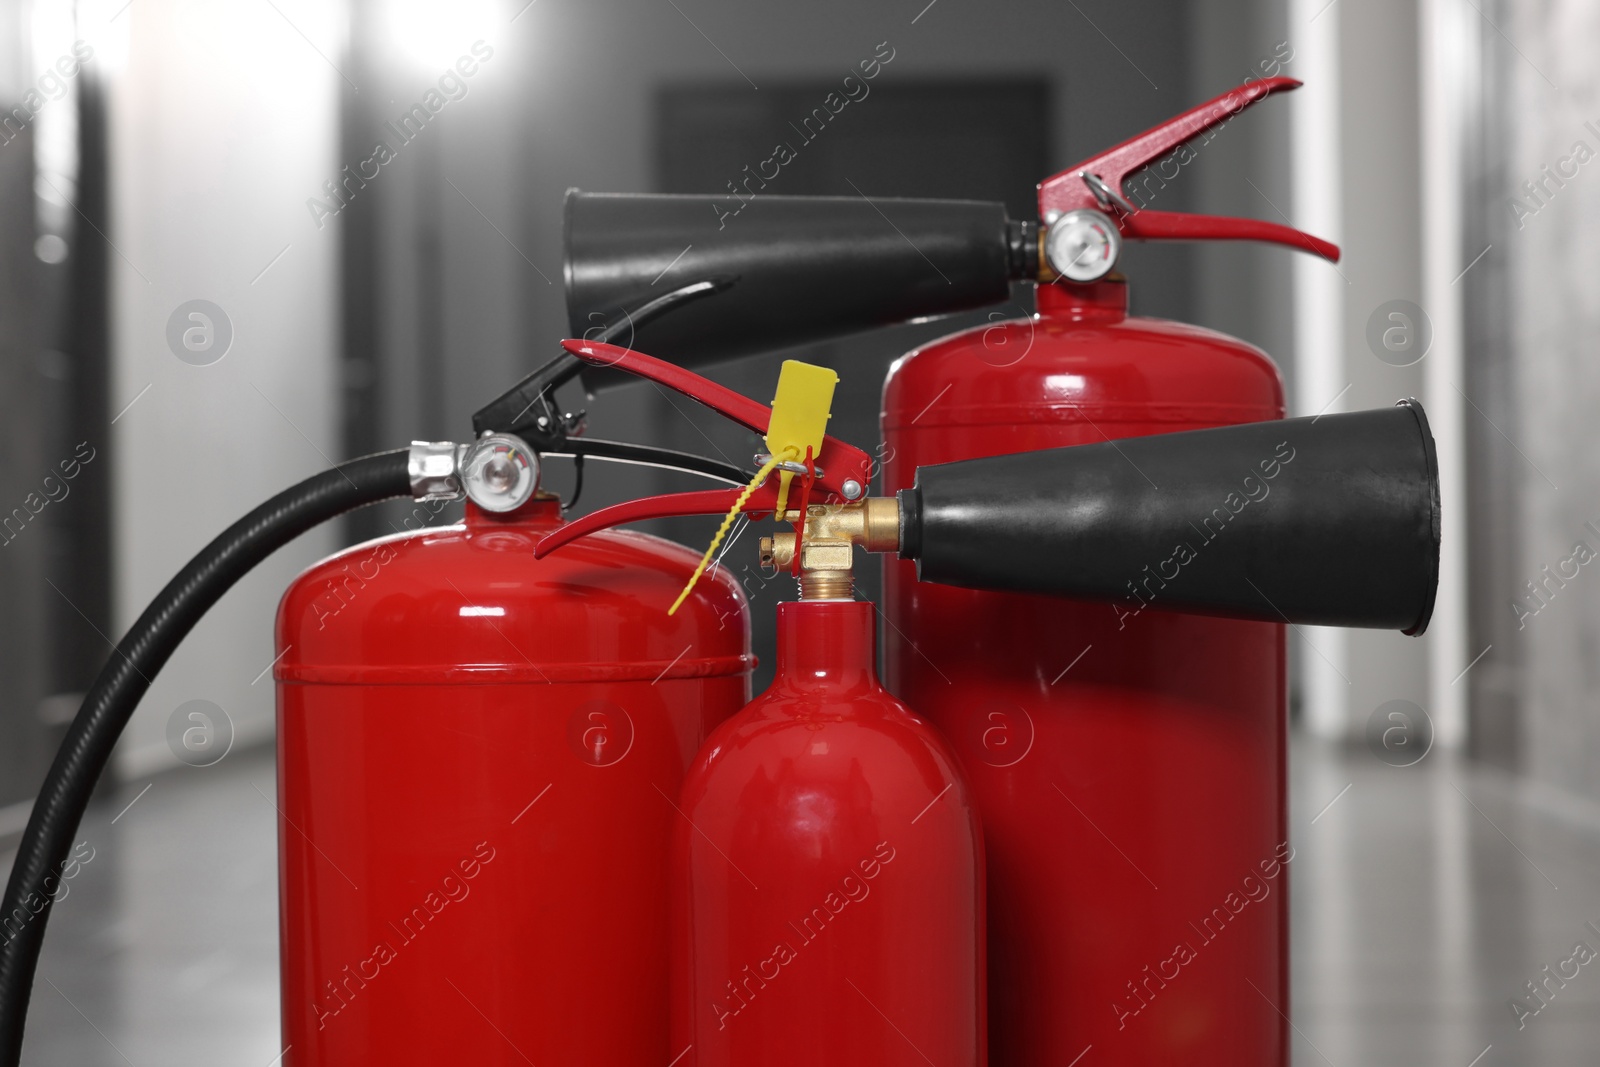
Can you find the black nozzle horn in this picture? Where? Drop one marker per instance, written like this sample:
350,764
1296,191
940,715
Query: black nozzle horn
1331,520
809,268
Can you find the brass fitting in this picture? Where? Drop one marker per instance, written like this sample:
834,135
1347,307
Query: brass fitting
874,524
1047,273
827,556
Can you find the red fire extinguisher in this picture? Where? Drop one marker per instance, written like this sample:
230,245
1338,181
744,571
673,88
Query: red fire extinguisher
829,870
1129,761
1147,916
1344,530
828,896
479,757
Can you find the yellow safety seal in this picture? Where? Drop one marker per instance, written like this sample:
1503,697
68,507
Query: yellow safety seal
800,411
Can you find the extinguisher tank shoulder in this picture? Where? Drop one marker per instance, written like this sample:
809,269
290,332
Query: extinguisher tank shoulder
1139,375
780,725
810,782
466,603
825,738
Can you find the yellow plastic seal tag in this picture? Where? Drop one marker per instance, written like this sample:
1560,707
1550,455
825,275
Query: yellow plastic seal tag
800,411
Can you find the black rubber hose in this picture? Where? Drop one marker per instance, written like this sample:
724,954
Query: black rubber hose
122,682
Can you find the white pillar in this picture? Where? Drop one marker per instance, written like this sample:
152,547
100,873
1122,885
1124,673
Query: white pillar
1444,47
1319,296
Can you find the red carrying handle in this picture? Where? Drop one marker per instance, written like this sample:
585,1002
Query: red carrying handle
1071,189
837,463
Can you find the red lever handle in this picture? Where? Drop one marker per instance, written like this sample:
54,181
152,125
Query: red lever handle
719,398
837,463
1177,226
1070,191
703,502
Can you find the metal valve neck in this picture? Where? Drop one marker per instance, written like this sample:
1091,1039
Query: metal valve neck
827,585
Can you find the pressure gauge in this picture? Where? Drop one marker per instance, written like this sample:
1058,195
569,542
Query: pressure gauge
499,472
1082,245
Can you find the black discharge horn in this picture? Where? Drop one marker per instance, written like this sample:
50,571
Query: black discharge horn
1331,520
809,268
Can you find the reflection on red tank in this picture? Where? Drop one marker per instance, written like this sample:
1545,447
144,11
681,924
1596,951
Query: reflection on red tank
479,755
828,872
1129,770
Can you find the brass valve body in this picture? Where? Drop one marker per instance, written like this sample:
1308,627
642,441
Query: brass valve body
827,555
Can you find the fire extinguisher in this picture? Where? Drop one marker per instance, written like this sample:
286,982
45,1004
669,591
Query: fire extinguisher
825,764
1151,919
1128,760
829,895
479,754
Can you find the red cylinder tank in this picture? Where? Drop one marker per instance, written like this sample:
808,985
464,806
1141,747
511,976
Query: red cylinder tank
829,870
1128,762
479,755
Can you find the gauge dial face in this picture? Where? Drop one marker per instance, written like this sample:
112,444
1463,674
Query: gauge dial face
1083,245
500,473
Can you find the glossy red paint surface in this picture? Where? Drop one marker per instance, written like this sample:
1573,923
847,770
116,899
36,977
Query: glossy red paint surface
829,873
1130,779
478,759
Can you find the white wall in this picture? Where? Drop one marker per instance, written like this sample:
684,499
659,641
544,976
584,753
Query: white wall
224,120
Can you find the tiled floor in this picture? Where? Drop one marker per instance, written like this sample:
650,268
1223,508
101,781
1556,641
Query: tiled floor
1424,898
165,951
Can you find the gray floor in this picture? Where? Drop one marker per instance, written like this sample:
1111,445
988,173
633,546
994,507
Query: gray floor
164,952
1425,897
